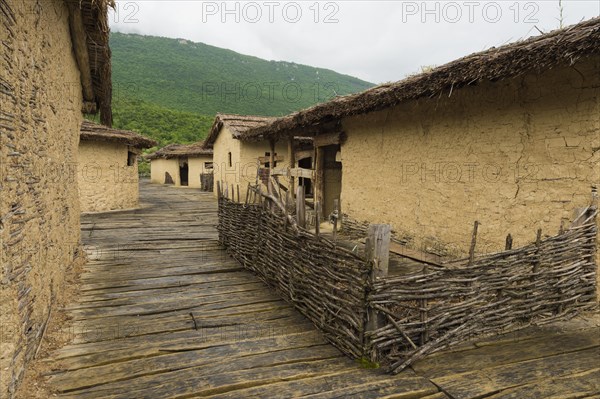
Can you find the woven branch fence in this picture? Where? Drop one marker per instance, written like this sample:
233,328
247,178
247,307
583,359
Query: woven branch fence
417,314
326,283
539,283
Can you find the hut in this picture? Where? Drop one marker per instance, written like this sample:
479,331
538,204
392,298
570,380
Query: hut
183,165
108,167
55,64
509,137
236,162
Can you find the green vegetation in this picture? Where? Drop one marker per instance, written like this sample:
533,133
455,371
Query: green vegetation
170,89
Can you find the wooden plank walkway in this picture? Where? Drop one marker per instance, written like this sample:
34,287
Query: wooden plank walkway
165,313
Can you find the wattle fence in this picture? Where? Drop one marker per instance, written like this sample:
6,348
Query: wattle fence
416,314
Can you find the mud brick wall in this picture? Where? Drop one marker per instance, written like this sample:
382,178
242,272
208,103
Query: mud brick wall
40,115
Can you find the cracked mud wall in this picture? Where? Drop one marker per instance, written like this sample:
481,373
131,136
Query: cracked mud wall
516,155
40,115
105,180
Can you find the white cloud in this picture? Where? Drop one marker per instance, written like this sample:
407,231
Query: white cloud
374,40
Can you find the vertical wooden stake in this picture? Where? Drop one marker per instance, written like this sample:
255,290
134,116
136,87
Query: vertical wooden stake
538,243
377,253
423,314
238,193
473,243
247,193
317,218
336,210
292,158
300,207
319,175
219,193
509,242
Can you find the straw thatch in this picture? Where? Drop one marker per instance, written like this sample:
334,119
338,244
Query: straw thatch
237,124
181,151
94,15
534,55
91,131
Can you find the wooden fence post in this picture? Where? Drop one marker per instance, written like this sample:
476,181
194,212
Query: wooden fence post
377,253
317,218
336,215
300,207
219,190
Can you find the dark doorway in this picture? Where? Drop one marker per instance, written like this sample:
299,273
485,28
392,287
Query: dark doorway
183,173
168,178
305,163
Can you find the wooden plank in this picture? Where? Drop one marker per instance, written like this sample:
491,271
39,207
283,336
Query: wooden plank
327,139
300,207
292,164
377,253
303,154
494,379
508,351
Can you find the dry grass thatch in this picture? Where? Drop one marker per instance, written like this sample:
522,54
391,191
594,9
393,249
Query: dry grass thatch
181,150
91,131
237,124
534,55
94,14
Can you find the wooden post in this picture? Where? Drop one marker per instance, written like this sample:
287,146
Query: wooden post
538,243
219,193
238,193
319,174
377,253
292,158
336,207
247,193
317,218
424,314
271,156
509,242
300,207
473,243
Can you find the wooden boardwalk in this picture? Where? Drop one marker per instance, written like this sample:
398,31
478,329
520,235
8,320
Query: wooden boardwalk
165,313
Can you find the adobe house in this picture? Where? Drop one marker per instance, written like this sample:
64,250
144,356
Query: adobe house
509,137
182,165
235,161
55,64
108,167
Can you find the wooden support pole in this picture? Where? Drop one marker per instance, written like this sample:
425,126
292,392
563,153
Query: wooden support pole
300,207
238,193
509,242
319,174
219,192
292,158
317,218
538,243
473,243
247,193
336,213
271,156
377,253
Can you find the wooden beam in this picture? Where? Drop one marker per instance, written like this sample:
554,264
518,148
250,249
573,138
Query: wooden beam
278,158
323,140
79,40
301,172
303,154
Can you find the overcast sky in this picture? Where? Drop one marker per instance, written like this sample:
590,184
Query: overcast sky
377,41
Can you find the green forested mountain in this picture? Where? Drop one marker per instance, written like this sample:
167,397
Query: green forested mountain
170,89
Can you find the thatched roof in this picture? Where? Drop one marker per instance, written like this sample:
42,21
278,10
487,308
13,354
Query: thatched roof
238,125
534,55
91,131
181,150
88,21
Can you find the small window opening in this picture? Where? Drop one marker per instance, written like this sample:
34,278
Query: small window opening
267,163
208,165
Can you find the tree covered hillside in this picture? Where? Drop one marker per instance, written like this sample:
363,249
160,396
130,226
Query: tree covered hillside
170,89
